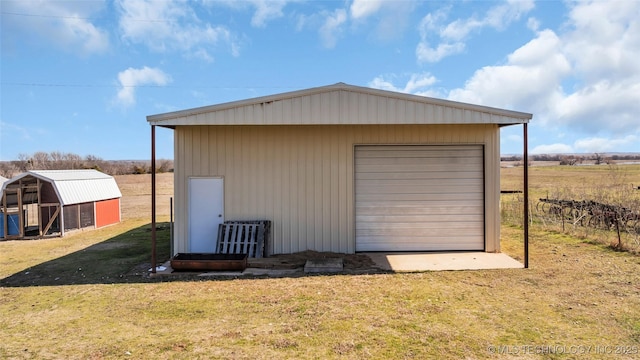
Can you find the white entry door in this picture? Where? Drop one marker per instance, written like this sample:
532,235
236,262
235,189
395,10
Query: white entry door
206,212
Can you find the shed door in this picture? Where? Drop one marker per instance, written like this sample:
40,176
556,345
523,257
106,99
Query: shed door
419,198
206,212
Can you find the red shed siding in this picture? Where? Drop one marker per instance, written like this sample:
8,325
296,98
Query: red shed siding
107,212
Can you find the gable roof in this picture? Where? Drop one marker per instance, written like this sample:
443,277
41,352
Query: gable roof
340,104
74,186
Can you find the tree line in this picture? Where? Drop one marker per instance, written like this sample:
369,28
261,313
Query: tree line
574,159
56,160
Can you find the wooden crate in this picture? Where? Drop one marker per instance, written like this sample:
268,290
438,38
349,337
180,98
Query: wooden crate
243,237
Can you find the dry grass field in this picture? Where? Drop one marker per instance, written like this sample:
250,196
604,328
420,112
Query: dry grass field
136,195
613,185
87,296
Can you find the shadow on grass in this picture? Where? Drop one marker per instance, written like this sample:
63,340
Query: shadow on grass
125,258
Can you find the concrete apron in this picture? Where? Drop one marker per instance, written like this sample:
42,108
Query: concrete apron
443,261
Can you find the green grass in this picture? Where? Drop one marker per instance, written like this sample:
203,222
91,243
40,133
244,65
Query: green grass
575,293
108,255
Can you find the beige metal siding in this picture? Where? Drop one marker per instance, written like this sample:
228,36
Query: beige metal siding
419,198
340,105
301,177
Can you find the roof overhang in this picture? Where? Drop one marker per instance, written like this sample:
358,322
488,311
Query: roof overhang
256,111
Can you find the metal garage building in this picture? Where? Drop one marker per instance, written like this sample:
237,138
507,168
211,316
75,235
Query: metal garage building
40,203
341,168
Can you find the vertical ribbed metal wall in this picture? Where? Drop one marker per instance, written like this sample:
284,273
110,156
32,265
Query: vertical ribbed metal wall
301,177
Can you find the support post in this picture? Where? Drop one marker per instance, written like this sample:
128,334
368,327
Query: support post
39,185
20,211
526,196
153,199
171,227
5,223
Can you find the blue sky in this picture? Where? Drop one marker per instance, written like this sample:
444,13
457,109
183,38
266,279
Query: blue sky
81,76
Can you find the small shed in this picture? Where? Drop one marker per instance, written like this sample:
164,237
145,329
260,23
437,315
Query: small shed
341,168
43,203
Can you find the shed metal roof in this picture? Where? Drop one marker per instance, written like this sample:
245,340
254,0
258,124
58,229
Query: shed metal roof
340,104
75,186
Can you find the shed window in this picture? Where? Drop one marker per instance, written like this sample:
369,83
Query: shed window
71,220
86,215
79,216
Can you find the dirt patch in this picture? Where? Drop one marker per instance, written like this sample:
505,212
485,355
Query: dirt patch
352,262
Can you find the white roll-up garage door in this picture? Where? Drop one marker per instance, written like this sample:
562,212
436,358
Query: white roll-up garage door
419,198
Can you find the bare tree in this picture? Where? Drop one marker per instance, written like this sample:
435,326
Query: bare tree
8,169
165,166
598,158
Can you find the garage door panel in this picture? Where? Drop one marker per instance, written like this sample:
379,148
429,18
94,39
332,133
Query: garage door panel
420,208
402,219
413,151
445,167
420,240
380,189
424,229
366,183
376,161
435,244
419,198
409,175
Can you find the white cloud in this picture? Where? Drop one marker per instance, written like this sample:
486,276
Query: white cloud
266,10
582,81
597,144
332,27
590,145
605,39
131,78
514,138
502,15
450,37
533,24
63,23
552,149
603,43
430,54
530,80
386,20
169,26
363,8
597,53
17,131
417,84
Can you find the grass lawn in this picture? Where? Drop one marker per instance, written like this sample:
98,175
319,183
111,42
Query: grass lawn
84,297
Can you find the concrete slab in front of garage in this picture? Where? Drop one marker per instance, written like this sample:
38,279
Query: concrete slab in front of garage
434,261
